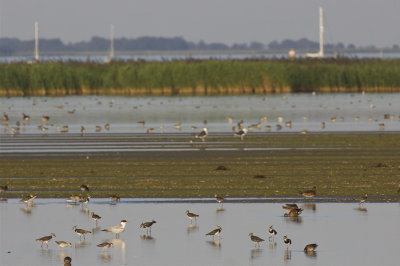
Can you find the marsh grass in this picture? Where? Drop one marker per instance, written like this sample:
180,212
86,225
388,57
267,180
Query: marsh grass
200,77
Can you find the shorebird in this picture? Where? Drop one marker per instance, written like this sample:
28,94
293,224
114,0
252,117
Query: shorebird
215,232
257,240
63,244
191,216
272,232
294,213
241,133
107,126
363,199
98,128
84,187
81,232
105,245
219,199
117,229
3,188
310,193
45,118
83,130
287,241
85,199
288,124
290,206
147,225
25,117
142,123
310,248
150,130
203,134
46,239
28,199
115,198
5,117
95,217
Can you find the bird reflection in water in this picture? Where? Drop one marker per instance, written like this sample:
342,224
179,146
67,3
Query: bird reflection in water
105,257
192,228
361,209
215,243
95,229
28,208
287,255
311,254
310,206
147,237
272,244
255,253
297,219
220,209
117,243
82,244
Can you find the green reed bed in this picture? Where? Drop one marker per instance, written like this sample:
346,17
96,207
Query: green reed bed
200,77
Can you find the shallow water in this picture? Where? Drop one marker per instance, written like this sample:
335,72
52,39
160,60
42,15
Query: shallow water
353,112
346,234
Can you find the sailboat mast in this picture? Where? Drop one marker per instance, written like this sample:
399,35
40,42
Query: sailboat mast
36,41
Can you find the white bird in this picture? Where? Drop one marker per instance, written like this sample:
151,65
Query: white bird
203,134
241,133
117,229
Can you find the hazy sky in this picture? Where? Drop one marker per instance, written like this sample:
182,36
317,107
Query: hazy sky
361,22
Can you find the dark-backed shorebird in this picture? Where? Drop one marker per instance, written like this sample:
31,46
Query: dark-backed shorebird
241,133
45,118
294,213
117,229
147,225
310,193
105,245
115,198
310,248
272,232
46,239
191,216
83,130
25,117
287,241
81,232
28,199
95,217
215,232
257,240
84,187
363,199
3,188
219,199
63,244
203,134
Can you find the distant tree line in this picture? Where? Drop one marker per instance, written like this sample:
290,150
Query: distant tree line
14,46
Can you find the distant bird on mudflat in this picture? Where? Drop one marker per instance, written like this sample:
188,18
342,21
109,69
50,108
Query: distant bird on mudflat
203,134
363,199
294,213
191,216
310,193
219,199
117,229
63,244
272,232
105,245
241,133
147,225
81,232
115,198
257,240
107,126
25,117
3,188
98,128
28,199
83,130
46,239
45,118
5,117
84,187
95,217
287,241
215,232
310,248
290,206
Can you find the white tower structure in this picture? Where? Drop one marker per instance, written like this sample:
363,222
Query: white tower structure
36,41
321,37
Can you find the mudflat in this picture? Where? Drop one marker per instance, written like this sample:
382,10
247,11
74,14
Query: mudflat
270,166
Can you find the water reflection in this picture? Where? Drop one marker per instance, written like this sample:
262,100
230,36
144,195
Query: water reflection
95,229
105,257
310,206
192,228
361,209
28,209
220,209
311,254
147,237
297,219
287,255
272,244
215,243
255,253
82,244
117,242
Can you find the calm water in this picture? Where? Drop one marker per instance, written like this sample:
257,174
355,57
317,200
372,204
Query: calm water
353,112
346,234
